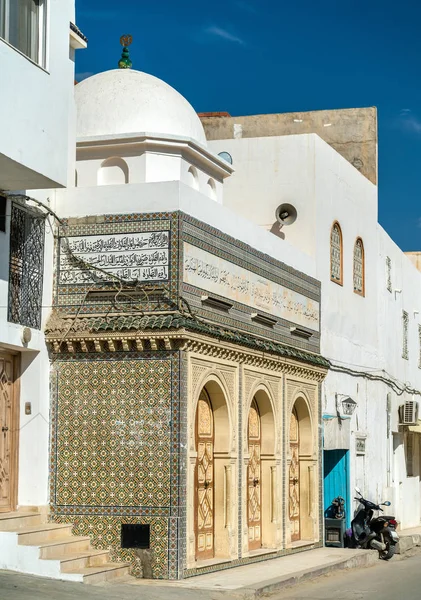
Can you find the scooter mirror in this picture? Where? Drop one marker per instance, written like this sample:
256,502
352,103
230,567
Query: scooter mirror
357,489
387,503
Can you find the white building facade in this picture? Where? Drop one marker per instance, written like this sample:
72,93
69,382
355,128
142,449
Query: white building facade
370,305
159,276
37,151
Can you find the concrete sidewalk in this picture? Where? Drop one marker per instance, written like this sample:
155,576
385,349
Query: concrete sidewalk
408,539
251,581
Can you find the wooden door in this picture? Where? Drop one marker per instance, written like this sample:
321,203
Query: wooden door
294,478
8,439
254,484
204,484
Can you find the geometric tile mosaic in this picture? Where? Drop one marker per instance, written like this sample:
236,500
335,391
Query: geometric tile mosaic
113,443
114,451
105,535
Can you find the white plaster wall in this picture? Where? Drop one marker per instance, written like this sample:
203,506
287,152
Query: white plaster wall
34,118
161,167
173,196
34,379
202,181
407,278
362,333
270,171
149,167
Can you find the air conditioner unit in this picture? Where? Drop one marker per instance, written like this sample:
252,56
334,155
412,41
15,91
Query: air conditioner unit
408,413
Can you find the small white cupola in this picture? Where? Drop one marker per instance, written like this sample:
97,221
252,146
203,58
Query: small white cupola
134,128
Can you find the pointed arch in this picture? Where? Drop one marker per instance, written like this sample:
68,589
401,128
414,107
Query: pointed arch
359,267
336,254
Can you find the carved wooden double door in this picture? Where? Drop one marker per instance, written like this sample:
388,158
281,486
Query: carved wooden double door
204,484
254,478
7,435
294,477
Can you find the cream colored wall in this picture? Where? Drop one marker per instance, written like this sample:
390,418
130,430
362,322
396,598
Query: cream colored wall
235,383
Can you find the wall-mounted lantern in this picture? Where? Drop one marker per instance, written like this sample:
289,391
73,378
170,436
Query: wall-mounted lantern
348,406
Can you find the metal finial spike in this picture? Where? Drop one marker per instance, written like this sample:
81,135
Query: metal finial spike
125,62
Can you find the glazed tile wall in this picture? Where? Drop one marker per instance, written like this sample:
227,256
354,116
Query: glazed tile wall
72,297
119,425
114,456
214,241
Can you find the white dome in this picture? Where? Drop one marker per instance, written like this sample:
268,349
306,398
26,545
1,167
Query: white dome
125,101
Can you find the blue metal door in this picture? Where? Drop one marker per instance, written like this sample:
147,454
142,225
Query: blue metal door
336,479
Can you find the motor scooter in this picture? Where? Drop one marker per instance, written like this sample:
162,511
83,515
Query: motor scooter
367,532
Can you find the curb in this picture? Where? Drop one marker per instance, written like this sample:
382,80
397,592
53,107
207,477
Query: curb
367,558
407,543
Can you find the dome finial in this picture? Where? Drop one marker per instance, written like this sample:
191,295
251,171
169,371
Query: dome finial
125,62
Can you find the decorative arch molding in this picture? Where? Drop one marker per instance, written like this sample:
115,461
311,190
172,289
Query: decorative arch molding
203,376
306,395
220,383
303,460
260,385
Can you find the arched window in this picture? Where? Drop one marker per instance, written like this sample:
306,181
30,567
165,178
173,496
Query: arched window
359,283
336,253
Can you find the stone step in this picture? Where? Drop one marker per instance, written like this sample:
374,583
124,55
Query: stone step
102,573
74,562
63,547
13,521
43,533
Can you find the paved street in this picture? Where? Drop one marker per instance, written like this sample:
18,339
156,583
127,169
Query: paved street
25,587
399,579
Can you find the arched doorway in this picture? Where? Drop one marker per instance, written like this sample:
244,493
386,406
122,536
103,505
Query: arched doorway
213,483
261,496
302,501
254,483
204,479
294,477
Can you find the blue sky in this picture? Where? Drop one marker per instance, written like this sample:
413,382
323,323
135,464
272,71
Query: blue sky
264,56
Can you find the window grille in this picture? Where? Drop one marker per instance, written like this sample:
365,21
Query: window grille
405,323
389,274
359,283
336,254
26,262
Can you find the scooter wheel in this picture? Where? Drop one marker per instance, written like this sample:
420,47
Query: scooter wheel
389,552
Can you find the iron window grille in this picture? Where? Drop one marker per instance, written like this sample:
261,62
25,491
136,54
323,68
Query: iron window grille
336,254
26,265
359,267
